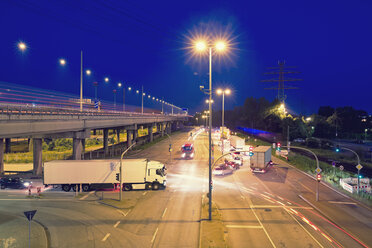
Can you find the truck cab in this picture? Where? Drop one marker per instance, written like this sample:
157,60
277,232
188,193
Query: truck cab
187,151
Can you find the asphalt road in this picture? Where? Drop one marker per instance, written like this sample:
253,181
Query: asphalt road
263,210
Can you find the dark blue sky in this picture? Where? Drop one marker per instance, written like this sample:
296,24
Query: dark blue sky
142,43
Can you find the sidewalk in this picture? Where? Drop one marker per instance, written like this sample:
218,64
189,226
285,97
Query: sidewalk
14,232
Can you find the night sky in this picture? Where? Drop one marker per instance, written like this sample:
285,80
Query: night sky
143,43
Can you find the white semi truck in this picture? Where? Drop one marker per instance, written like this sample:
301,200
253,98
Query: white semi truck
261,159
237,142
95,174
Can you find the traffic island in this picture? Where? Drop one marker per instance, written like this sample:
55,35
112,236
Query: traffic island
212,233
14,232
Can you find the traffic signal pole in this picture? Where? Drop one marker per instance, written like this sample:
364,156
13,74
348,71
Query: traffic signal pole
121,171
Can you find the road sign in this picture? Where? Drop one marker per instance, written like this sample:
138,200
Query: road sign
30,214
341,167
359,166
318,170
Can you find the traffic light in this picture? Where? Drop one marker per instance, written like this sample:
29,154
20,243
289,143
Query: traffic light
251,151
117,176
170,147
279,147
318,177
337,148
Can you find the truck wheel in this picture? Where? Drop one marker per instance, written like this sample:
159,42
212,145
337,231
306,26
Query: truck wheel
127,187
2,186
86,187
66,187
74,187
155,186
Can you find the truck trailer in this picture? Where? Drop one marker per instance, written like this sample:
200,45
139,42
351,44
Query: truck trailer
95,174
237,142
261,159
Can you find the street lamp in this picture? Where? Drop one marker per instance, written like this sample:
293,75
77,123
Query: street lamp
22,46
219,46
207,101
62,62
95,84
114,91
88,72
223,92
106,79
365,134
119,85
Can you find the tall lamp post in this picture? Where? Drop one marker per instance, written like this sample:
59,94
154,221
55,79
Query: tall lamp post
114,91
119,85
223,92
142,98
203,46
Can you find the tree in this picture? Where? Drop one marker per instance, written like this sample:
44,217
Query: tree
326,111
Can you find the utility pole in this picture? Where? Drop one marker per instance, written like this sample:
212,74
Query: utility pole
81,81
281,70
288,144
142,99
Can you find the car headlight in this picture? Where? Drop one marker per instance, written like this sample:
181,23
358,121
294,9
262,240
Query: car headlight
26,184
183,155
192,155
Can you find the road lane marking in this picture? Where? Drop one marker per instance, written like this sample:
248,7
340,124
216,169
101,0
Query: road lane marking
117,223
84,197
277,206
242,197
304,228
241,226
144,193
154,236
165,210
106,237
306,187
347,203
122,213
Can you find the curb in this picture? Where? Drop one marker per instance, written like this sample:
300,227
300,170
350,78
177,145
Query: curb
47,233
328,186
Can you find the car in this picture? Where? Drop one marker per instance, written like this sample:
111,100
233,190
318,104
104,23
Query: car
187,151
14,183
222,170
237,159
299,140
232,165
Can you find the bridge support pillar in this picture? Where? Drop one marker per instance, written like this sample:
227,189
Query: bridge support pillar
135,135
162,129
151,135
118,135
105,140
77,148
7,145
129,137
1,156
169,128
38,155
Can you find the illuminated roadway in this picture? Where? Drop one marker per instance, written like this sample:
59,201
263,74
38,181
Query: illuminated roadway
262,210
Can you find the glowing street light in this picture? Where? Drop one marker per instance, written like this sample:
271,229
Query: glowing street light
207,101
223,92
88,72
219,46
62,62
107,79
137,91
119,85
22,46
129,88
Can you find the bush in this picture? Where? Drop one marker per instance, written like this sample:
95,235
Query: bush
312,142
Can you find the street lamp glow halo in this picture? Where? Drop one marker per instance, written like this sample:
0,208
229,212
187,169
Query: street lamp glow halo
22,46
62,62
119,84
227,91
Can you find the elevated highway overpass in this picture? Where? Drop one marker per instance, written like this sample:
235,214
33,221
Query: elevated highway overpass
39,123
